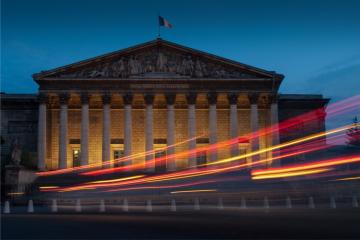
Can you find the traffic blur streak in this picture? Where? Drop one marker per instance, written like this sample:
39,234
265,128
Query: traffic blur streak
332,110
206,171
115,161
279,146
306,166
291,174
193,183
210,148
194,191
162,186
347,179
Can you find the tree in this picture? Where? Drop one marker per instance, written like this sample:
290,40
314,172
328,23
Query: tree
353,134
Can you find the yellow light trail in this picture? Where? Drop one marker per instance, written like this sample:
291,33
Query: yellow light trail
110,162
326,163
289,143
15,193
202,172
48,187
117,179
347,179
194,191
291,174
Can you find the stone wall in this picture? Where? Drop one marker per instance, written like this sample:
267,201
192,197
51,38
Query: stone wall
19,116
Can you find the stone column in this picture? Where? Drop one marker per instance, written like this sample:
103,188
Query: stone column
149,140
63,130
170,135
274,121
254,123
127,98
84,137
234,129
41,145
212,99
106,141
191,100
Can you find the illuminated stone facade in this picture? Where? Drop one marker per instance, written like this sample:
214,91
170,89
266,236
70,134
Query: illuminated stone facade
151,96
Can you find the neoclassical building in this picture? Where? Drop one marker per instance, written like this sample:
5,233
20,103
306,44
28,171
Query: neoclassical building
159,94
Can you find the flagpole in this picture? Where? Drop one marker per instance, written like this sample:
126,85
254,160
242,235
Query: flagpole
158,25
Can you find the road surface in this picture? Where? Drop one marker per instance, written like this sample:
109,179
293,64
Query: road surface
226,224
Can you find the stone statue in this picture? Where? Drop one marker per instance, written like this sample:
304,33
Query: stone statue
106,70
148,65
198,69
16,153
97,72
134,66
187,66
119,68
161,62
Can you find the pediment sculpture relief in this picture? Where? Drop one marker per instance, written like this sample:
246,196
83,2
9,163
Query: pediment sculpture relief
158,61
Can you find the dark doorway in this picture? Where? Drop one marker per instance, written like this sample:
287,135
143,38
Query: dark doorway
160,167
76,157
117,154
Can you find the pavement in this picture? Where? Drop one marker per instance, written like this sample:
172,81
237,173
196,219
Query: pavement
204,224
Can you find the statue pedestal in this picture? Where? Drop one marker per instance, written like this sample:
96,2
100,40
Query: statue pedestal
17,178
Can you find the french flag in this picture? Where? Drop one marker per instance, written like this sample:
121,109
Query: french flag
164,22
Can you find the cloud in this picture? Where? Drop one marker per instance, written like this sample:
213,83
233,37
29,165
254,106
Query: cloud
352,60
337,83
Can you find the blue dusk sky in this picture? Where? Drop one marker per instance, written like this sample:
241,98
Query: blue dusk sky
315,44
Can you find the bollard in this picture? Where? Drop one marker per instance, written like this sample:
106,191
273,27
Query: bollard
78,205
311,203
332,202
220,204
125,205
173,205
266,203
148,205
7,207
54,207
243,203
102,206
30,208
288,202
196,204
355,203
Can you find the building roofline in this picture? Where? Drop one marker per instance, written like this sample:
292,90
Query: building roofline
158,41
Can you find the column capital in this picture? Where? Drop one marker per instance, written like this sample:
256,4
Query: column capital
128,98
106,98
253,98
149,98
273,98
170,98
191,98
64,98
233,98
212,97
43,98
84,97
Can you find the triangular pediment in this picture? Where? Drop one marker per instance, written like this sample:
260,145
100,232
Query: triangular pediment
157,59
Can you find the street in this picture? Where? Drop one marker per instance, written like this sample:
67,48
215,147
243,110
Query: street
203,224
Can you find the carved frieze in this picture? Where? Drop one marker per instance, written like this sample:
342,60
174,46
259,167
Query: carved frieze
155,62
